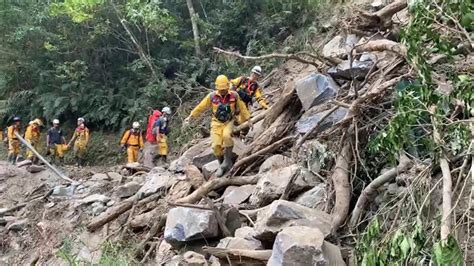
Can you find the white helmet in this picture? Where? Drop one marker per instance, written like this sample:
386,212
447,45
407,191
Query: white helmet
81,119
56,122
136,125
166,110
257,70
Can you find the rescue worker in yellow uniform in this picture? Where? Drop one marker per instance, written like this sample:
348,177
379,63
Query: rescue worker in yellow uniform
225,105
13,141
161,131
32,136
248,88
80,138
56,143
132,140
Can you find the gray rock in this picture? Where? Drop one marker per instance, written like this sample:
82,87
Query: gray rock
140,179
401,18
316,89
340,46
194,176
99,177
368,57
298,246
332,254
63,191
192,258
187,157
274,162
314,198
309,119
156,181
246,232
210,168
377,5
237,195
35,168
94,198
17,225
359,70
281,214
127,190
98,208
207,155
110,203
185,224
232,219
24,163
164,253
116,177
272,184
240,243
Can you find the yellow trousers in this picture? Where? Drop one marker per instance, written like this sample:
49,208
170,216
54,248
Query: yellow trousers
163,145
29,153
14,147
58,150
221,136
80,149
132,153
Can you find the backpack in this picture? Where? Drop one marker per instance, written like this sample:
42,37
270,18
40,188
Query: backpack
150,137
163,129
224,112
244,93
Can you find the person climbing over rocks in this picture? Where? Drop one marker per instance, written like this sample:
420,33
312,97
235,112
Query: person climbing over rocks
80,138
225,105
132,140
160,128
248,89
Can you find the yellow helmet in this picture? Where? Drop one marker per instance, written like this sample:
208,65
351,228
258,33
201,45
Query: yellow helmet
38,122
222,83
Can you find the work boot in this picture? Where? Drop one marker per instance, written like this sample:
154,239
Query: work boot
227,162
10,159
78,162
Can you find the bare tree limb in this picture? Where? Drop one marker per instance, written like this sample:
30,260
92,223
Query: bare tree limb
340,179
314,129
374,185
383,45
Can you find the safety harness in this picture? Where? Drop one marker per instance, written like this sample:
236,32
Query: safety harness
223,112
130,134
246,90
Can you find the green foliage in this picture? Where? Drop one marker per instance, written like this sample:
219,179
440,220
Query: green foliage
447,252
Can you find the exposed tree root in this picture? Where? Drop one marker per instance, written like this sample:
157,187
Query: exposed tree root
342,187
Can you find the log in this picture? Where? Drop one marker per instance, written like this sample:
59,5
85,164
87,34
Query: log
383,45
254,120
155,228
342,187
383,15
366,194
217,184
4,211
262,255
315,129
286,97
111,214
56,171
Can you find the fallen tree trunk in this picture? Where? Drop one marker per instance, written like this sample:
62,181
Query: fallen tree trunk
262,255
382,18
254,120
383,45
342,187
374,185
217,184
286,97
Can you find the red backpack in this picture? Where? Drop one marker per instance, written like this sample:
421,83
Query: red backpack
149,129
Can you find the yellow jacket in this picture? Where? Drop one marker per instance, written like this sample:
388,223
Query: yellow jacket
212,101
32,134
132,139
81,136
11,135
243,85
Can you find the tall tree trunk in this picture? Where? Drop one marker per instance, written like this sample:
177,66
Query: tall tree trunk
193,16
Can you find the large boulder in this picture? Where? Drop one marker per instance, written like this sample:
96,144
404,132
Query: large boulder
316,89
298,246
274,162
187,157
186,224
340,46
312,117
272,184
127,190
237,195
194,176
344,70
240,243
332,254
315,198
210,168
281,214
156,180
207,155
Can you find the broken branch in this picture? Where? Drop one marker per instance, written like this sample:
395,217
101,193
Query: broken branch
340,179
